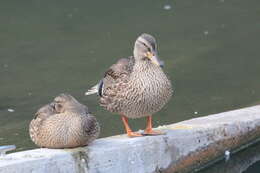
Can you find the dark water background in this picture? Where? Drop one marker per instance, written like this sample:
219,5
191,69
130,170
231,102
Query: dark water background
210,49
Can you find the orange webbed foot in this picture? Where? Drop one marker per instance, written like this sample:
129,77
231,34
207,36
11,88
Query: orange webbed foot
133,134
152,132
149,128
129,132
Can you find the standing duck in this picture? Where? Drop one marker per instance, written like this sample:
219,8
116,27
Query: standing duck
64,123
136,86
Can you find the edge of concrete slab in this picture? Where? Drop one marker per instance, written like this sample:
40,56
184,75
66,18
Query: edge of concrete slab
186,146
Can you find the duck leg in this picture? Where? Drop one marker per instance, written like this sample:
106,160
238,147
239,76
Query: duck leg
129,132
149,129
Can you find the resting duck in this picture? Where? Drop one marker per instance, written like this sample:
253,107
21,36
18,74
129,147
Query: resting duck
136,86
64,123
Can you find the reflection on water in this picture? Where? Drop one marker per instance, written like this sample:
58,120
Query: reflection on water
246,161
210,49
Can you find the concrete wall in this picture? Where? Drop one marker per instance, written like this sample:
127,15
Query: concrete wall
238,163
186,146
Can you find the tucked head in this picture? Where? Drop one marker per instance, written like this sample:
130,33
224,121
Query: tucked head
145,49
67,103
45,111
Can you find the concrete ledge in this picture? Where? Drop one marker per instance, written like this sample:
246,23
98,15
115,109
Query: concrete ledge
187,145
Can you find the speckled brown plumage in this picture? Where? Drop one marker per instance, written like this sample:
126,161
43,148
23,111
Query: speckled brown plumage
135,87
135,93
64,123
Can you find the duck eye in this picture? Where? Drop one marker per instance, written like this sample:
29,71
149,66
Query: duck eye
144,44
148,48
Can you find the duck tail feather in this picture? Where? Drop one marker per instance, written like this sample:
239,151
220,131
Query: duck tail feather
98,88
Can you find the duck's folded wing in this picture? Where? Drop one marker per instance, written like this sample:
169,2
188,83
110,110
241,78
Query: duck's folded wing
40,117
117,71
122,67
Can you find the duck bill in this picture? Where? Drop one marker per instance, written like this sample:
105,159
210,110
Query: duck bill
156,60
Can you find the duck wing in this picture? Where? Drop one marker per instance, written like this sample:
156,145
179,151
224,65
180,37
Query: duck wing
116,73
41,115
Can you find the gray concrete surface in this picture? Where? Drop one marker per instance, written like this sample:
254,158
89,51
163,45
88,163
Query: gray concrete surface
186,146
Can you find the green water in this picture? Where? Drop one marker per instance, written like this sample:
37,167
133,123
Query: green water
210,49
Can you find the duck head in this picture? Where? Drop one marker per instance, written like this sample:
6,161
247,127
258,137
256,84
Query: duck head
145,49
67,103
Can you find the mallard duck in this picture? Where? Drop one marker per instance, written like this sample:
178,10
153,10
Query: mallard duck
64,123
136,86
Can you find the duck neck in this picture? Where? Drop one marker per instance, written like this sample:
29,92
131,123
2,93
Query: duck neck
145,66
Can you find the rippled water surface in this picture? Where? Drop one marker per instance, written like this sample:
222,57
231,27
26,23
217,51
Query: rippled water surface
210,49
